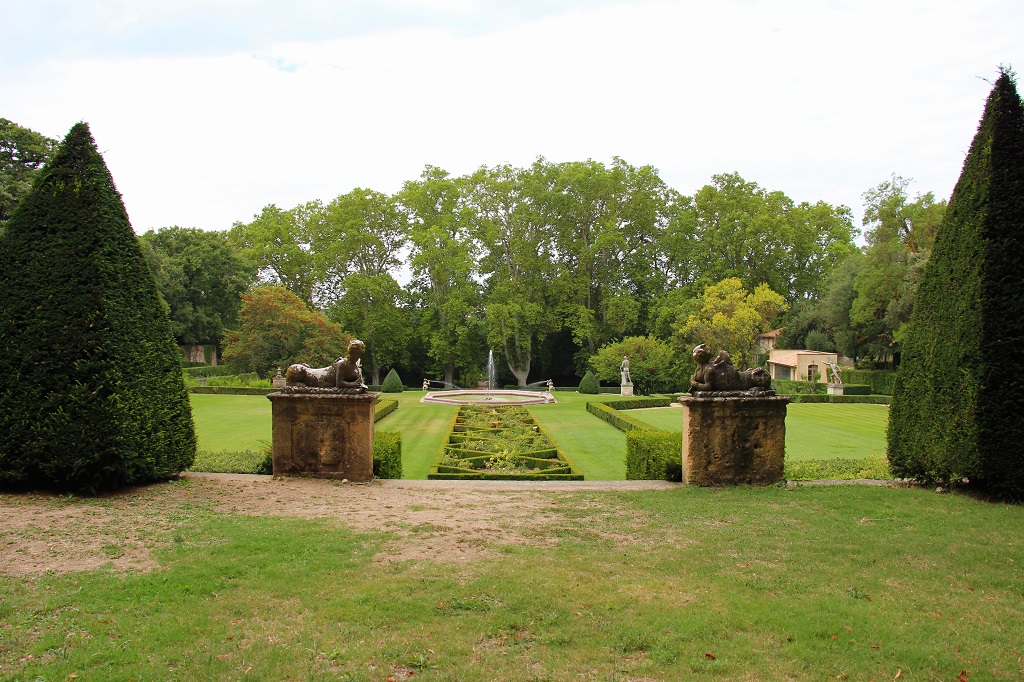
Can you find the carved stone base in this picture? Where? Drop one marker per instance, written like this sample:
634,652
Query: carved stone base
734,441
626,389
322,435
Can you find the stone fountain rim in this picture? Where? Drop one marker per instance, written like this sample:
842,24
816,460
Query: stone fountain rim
448,397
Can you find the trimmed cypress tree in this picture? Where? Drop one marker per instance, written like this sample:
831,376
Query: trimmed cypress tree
959,392
392,383
92,395
589,383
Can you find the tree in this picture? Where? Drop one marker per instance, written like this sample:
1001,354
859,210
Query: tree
517,263
730,319
361,241
22,154
957,398
200,276
442,260
276,329
93,396
279,245
650,362
734,228
900,236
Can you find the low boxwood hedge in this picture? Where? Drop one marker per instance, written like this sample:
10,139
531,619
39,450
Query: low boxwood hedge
387,454
654,455
383,409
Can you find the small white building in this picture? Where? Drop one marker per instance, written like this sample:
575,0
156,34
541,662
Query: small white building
800,365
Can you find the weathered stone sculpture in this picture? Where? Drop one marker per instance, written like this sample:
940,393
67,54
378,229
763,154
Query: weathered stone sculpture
323,421
734,426
344,375
720,378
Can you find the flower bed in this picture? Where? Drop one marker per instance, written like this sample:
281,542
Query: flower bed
494,442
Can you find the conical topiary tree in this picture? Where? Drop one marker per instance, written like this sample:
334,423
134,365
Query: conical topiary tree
392,383
92,395
959,391
589,383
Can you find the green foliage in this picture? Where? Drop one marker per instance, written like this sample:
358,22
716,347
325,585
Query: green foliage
22,154
623,422
230,390
392,382
383,409
730,319
387,454
500,443
957,400
638,402
93,396
789,387
856,389
277,329
650,362
248,461
207,371
589,383
865,399
880,380
654,455
200,276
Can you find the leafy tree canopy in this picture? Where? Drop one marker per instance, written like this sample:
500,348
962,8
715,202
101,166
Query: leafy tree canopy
22,153
650,363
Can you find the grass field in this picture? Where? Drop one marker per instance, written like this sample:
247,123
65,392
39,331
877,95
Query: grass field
854,582
813,431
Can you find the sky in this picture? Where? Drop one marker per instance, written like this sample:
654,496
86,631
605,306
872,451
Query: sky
208,110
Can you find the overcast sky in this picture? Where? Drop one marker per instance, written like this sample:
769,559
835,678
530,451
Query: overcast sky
208,110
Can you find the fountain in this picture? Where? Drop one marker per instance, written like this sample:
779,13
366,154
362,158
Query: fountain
491,394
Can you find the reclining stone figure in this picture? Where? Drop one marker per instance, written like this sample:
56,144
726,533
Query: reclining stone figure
344,375
720,376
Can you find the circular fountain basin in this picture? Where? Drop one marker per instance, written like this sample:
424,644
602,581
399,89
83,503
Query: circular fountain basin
467,397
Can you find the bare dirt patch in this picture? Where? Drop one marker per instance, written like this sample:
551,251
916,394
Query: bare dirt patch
443,521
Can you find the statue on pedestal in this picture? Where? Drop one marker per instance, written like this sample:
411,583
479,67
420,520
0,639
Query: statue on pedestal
624,371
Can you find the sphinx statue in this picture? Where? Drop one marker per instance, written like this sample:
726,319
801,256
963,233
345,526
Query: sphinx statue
344,375
720,378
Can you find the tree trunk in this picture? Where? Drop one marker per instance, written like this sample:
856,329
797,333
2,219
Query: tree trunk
518,359
449,375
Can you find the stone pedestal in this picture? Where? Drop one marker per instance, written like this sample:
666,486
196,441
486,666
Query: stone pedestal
835,389
734,440
322,435
626,389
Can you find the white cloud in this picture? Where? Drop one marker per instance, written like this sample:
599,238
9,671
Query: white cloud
819,100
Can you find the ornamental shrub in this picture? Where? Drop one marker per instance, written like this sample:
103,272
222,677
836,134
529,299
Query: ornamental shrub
387,454
589,383
392,383
654,455
93,396
958,397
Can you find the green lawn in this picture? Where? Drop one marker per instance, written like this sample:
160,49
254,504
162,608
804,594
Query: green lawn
848,583
813,431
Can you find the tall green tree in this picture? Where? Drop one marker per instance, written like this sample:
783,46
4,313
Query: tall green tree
734,228
607,225
93,396
200,276
279,245
651,363
957,399
443,258
518,263
900,234
22,154
363,236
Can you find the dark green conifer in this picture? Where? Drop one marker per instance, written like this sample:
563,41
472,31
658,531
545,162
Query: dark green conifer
589,383
92,395
958,400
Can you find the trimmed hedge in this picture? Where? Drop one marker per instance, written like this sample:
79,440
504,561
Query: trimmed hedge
654,455
639,403
959,391
208,371
589,384
789,387
230,390
622,422
93,396
856,389
392,383
387,454
383,409
880,380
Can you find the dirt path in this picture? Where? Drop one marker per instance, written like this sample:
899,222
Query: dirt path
449,521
